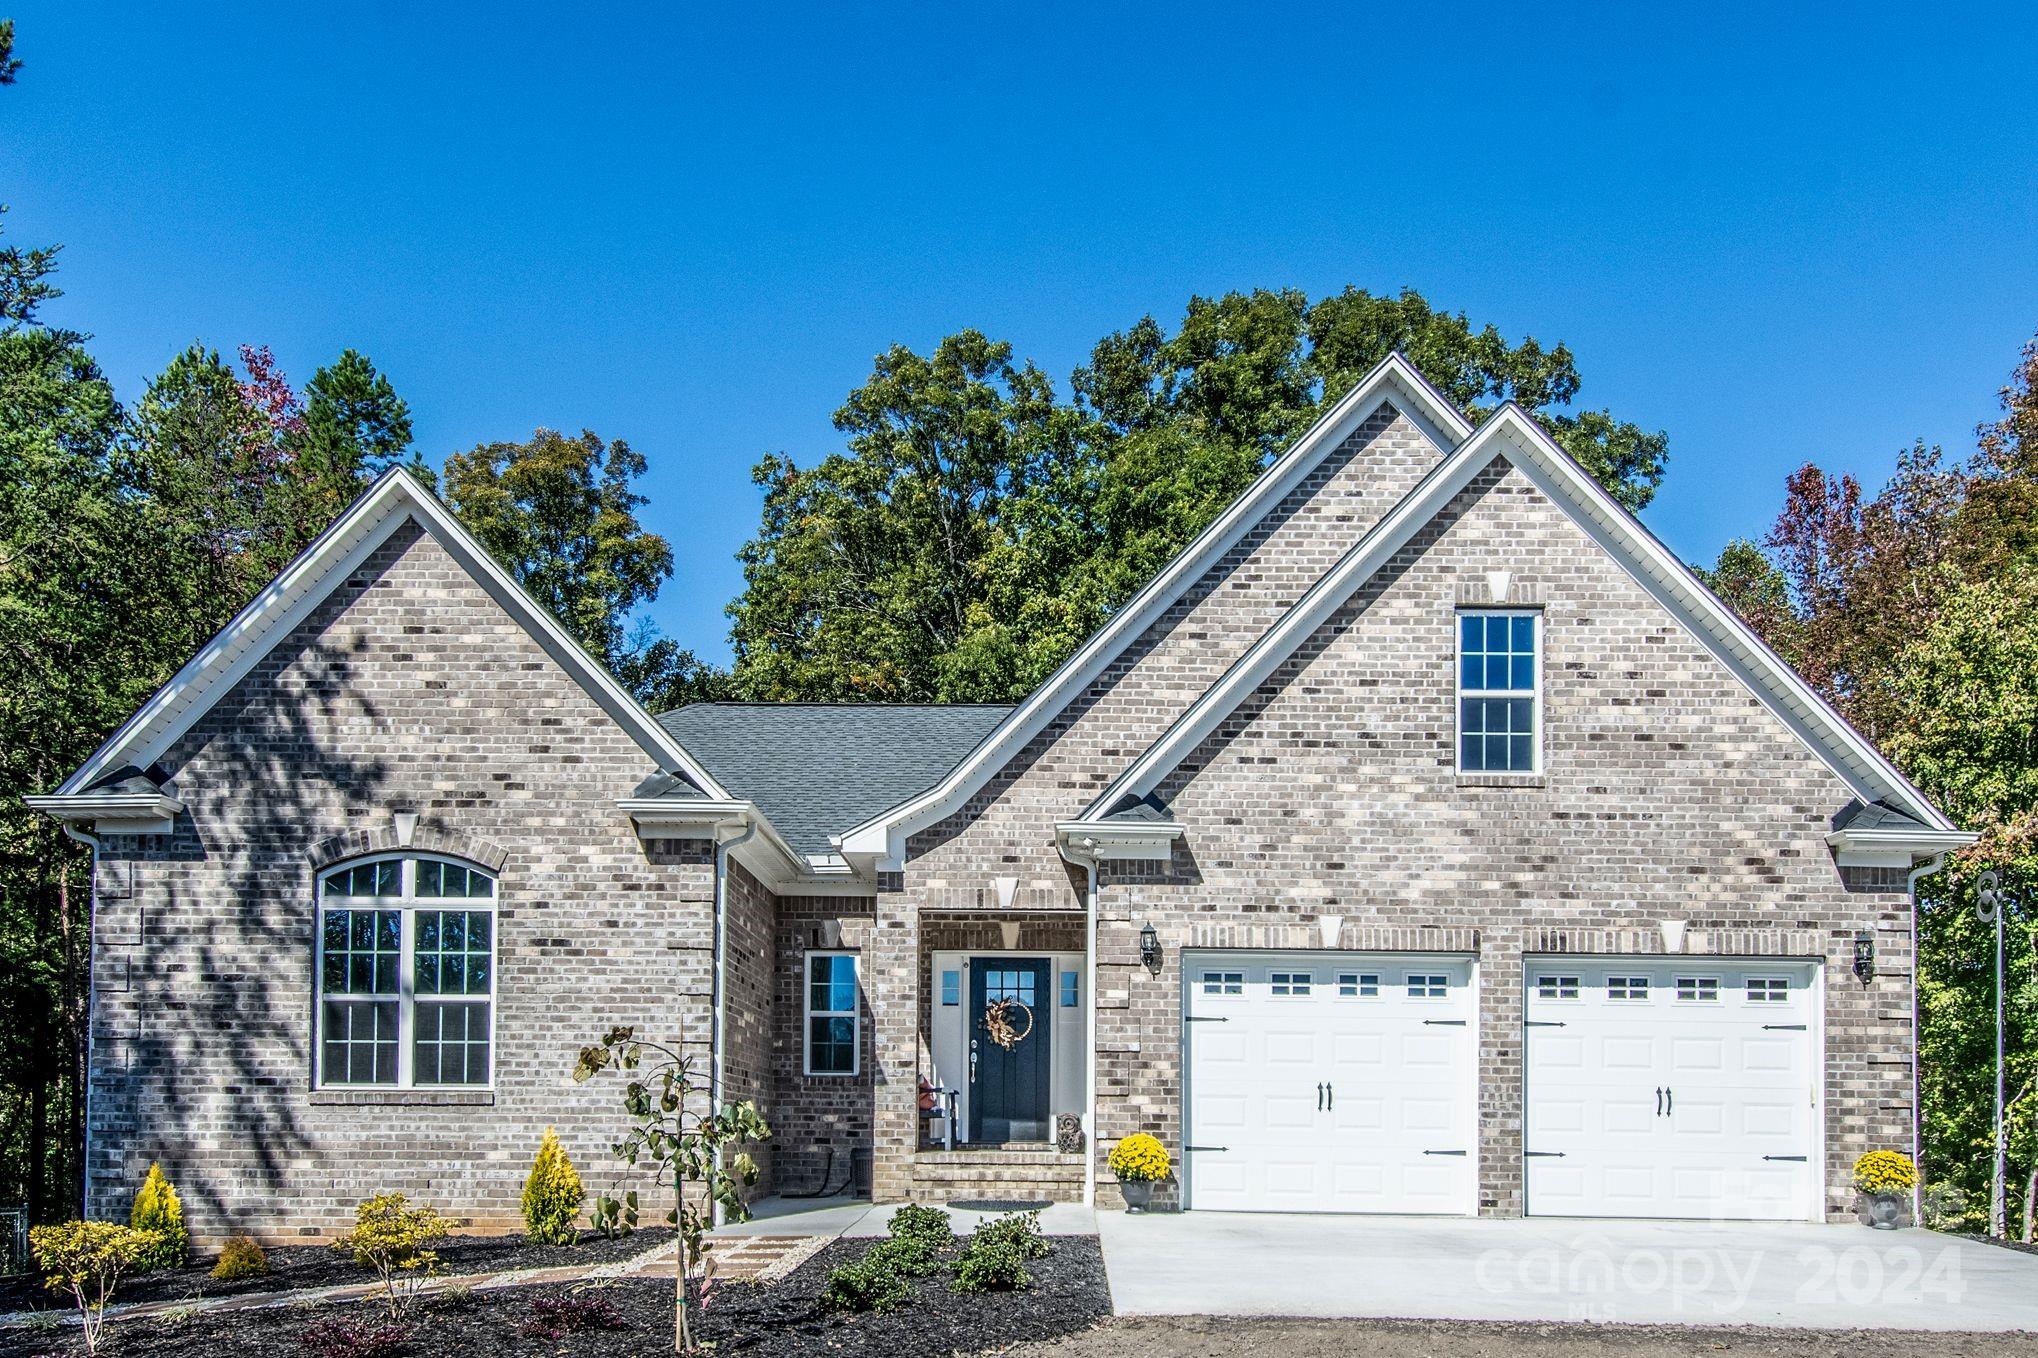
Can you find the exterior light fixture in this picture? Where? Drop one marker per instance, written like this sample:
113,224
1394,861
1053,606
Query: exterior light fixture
1864,956
1150,949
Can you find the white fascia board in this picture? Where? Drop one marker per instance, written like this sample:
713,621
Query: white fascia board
306,583
113,813
1512,432
1894,848
1087,842
768,856
1394,380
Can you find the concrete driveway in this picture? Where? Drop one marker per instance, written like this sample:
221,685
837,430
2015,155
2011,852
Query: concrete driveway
1621,1272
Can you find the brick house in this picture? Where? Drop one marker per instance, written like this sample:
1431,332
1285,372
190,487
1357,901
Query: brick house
1425,838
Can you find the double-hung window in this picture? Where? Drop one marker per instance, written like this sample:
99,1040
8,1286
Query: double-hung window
834,1021
406,974
1499,692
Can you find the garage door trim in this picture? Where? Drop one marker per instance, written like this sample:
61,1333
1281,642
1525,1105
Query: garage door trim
1465,1084
1811,1207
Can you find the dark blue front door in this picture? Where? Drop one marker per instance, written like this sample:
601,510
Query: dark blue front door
1008,1088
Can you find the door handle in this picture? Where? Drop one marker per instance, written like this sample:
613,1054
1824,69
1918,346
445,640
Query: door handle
1669,1100
1330,1096
1319,1096
1659,1100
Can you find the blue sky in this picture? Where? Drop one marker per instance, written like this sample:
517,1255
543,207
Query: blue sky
1779,238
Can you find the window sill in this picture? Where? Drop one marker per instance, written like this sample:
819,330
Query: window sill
415,1098
1501,780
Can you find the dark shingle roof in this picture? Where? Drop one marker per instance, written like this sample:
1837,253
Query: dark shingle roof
819,769
1875,816
1148,809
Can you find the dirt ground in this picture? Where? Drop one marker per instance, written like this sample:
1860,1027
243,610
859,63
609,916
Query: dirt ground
1205,1337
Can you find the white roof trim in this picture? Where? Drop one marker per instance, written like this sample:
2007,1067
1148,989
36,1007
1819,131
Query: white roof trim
1716,627
1394,379
307,581
1110,841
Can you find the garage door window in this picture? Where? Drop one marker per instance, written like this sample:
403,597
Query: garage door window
1358,985
1627,987
1224,983
1768,990
1294,984
1427,986
1556,987
1698,989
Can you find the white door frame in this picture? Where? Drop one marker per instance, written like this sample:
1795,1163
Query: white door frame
948,1029
1815,1204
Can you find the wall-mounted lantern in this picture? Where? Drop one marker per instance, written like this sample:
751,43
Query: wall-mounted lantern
1150,949
1864,956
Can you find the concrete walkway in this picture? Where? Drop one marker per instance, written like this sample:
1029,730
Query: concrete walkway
858,1218
1620,1272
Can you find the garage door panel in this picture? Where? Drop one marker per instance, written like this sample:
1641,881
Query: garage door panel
1328,1082
1681,1088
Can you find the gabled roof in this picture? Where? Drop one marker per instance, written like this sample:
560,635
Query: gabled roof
394,499
1512,433
813,768
1394,381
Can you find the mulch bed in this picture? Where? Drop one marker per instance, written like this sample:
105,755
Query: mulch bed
301,1266
782,1320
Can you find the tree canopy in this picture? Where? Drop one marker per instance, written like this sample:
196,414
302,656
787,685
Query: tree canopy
977,524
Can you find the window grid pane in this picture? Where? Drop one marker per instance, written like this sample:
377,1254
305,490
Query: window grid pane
833,1023
366,1014
452,952
360,1042
1224,983
452,1043
1425,986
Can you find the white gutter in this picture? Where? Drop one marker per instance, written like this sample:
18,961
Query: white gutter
718,1016
91,842
1083,853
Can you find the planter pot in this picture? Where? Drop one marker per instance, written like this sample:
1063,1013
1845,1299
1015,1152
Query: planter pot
1885,1210
1138,1193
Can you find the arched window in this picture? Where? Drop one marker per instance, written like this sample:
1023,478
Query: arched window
406,973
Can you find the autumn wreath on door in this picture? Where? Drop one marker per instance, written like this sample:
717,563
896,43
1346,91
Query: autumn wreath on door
1003,1020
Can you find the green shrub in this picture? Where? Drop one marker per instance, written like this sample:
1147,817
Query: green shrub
158,1209
878,1281
1021,1230
991,1266
86,1260
394,1238
995,1258
553,1195
928,1225
241,1257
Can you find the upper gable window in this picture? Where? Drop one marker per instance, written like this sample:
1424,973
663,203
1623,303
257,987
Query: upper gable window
406,974
1499,692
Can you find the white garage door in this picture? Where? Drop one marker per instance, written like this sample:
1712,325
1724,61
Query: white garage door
1672,1089
1330,1082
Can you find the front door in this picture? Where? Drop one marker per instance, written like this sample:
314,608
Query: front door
1009,1000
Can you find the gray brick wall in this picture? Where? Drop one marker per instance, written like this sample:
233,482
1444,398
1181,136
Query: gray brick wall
409,689
1669,791
821,1124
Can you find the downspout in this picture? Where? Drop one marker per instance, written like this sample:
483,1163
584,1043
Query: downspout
92,842
717,1014
1925,869
1087,856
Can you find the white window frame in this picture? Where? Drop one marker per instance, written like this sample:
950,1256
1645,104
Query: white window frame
1224,984
808,1014
1557,988
1628,983
406,903
1768,994
1460,693
1291,985
1427,985
1358,985
1697,989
